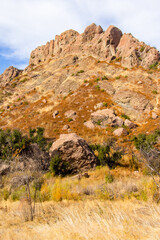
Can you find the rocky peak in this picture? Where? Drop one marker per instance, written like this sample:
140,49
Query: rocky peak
133,53
113,35
91,31
109,45
8,75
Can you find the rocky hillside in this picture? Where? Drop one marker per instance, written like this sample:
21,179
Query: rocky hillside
85,83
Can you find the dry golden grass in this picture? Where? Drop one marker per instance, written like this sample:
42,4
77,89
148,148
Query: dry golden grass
88,220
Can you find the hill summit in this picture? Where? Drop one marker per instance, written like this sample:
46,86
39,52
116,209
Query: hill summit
71,77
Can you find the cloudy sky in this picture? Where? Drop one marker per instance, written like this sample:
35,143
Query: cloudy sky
26,24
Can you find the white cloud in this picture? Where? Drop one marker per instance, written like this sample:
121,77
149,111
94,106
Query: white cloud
25,24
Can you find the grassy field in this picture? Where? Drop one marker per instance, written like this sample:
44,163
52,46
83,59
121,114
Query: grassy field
82,220
114,205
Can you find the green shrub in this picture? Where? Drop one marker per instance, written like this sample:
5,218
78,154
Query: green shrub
70,119
18,194
98,122
109,178
154,92
153,66
105,104
96,80
146,142
5,194
23,80
36,136
142,48
104,155
81,71
58,167
104,78
125,116
97,87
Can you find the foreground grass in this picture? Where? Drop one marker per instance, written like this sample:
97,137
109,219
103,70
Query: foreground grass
117,204
82,220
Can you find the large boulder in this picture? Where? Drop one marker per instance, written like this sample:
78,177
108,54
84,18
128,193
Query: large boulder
75,151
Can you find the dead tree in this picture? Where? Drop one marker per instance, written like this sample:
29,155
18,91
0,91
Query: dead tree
152,161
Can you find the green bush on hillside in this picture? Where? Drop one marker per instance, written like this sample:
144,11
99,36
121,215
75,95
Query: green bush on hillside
146,142
104,155
58,167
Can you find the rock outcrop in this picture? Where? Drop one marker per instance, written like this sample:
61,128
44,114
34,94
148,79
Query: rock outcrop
75,151
103,117
107,45
135,104
8,75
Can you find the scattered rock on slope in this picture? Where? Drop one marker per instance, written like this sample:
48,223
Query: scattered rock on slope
75,151
70,114
120,131
103,117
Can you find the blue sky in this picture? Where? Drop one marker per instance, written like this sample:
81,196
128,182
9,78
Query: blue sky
26,24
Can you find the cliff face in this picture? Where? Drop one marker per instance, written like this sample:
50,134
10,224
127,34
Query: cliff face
106,45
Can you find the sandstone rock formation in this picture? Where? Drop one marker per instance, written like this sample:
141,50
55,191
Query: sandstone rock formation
134,103
8,75
109,45
75,151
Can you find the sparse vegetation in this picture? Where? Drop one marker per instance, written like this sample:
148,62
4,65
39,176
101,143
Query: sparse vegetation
153,66
97,87
24,80
104,155
70,119
104,78
58,167
154,92
142,48
125,116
